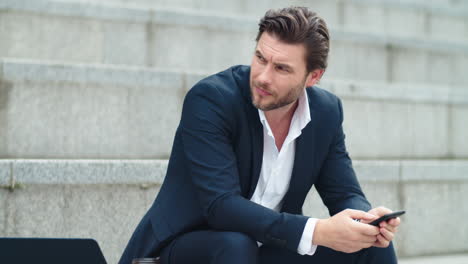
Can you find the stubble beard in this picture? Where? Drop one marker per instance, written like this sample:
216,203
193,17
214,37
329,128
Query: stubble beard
289,98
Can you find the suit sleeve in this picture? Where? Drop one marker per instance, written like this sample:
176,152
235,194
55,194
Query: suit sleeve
337,183
207,126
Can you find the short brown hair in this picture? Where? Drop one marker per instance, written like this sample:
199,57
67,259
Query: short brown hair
299,25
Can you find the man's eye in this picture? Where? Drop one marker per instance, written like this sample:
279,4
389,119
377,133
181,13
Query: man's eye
281,68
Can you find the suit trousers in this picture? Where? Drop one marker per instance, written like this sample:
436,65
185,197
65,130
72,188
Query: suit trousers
213,247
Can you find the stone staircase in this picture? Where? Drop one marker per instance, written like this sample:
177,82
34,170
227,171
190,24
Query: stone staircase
91,94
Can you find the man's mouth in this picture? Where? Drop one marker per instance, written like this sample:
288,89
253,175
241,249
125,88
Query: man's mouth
261,91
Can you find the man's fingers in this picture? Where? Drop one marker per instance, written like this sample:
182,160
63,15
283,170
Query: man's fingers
389,227
394,222
381,242
368,239
367,230
356,214
387,234
381,210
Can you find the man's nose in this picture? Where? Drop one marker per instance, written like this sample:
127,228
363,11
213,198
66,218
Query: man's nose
264,78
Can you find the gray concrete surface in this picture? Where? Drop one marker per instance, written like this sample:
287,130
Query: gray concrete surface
89,112
89,171
5,173
63,110
450,259
107,213
105,199
139,36
460,119
375,15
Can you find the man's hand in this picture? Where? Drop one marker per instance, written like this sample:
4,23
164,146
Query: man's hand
387,229
342,233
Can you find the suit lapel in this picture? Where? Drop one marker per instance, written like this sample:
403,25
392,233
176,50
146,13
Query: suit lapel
256,130
242,77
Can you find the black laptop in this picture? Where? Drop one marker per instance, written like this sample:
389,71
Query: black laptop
50,251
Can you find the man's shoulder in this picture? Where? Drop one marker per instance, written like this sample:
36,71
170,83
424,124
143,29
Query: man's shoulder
223,93
232,82
322,99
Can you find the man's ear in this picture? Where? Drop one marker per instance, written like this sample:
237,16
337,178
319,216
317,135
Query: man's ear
313,77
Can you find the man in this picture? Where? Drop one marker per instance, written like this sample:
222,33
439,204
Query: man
250,144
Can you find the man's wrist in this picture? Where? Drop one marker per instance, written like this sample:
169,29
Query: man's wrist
319,232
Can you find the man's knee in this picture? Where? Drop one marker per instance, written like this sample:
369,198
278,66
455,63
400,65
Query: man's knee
235,243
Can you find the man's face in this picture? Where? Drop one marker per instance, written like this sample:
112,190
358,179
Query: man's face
278,73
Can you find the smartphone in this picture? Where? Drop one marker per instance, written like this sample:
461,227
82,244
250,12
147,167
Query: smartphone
386,217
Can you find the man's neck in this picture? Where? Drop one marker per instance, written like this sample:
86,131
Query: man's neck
281,116
279,121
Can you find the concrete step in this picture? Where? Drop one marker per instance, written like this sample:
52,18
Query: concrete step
188,40
87,111
58,110
99,199
434,19
446,259
105,199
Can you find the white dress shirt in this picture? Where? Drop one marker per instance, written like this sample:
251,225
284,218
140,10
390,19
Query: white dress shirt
277,167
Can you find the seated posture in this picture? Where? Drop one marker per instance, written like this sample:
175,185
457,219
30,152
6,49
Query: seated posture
251,142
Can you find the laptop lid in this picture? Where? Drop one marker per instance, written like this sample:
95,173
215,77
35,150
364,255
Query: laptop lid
50,251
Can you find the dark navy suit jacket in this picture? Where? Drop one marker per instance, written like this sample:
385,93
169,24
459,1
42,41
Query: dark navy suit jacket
215,165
